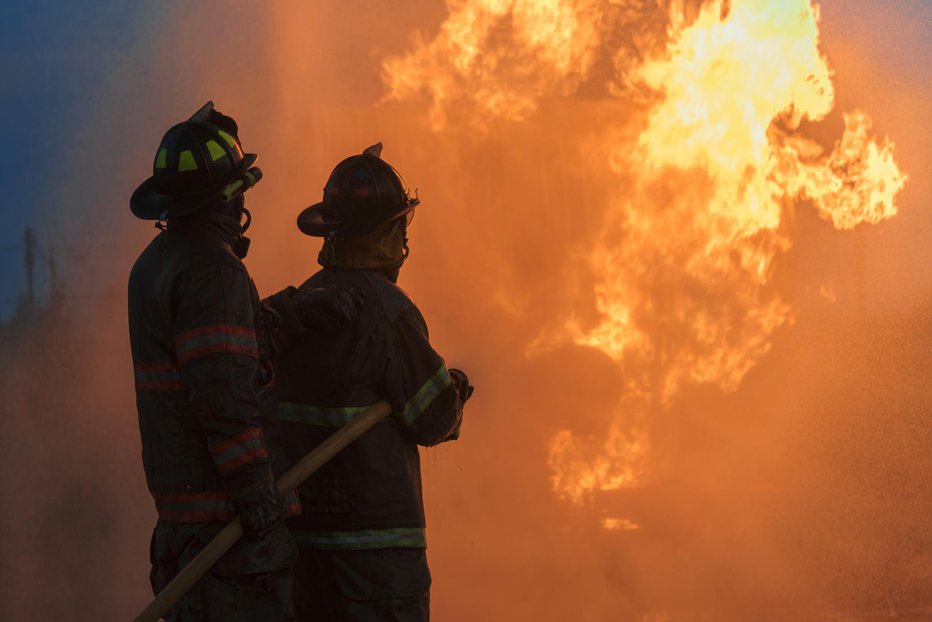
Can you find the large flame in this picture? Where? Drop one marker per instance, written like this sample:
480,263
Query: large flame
705,193
498,57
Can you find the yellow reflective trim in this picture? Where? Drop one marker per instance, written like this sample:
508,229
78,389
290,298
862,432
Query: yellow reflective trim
230,140
238,151
160,158
186,162
216,151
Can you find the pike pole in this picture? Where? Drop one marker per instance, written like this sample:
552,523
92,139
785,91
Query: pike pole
225,540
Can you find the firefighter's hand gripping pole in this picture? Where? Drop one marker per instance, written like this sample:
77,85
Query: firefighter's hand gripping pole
224,540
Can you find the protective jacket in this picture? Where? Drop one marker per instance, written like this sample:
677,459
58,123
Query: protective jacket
201,353
369,496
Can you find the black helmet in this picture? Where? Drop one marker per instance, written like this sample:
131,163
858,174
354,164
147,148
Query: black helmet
197,162
363,192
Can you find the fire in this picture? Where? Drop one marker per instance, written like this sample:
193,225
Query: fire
619,524
580,465
702,211
499,57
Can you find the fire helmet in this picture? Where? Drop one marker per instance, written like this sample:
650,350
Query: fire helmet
363,192
198,162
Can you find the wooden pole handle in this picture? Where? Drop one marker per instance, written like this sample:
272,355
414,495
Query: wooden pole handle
227,537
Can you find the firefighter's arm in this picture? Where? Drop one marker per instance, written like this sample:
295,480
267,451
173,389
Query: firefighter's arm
425,399
217,351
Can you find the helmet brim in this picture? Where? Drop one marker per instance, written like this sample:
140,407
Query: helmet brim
147,204
315,222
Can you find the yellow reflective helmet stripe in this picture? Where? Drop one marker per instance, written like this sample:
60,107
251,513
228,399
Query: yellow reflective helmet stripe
216,151
230,140
186,162
161,157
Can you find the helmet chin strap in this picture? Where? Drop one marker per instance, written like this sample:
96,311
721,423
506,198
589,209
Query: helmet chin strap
241,245
404,240
242,211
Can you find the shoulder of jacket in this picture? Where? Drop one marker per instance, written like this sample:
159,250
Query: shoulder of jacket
201,259
393,300
167,252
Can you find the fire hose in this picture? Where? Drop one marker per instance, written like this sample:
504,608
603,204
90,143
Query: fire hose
225,540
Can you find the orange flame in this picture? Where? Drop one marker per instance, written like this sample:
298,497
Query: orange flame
499,57
705,193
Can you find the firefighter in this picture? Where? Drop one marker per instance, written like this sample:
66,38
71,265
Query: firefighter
202,346
361,533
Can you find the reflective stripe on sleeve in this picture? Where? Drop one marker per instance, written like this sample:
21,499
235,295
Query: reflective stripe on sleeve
425,396
207,507
158,376
216,339
399,537
234,452
194,507
318,415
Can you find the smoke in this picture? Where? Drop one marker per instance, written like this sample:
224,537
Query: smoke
798,495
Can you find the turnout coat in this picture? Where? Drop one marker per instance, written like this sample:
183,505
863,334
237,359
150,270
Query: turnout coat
369,496
202,356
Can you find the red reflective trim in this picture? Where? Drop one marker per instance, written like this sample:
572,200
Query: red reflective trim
238,450
158,366
244,458
158,376
292,504
194,507
218,348
216,339
215,328
229,443
161,386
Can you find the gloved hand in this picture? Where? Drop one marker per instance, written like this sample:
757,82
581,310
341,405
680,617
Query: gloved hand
461,382
260,512
327,308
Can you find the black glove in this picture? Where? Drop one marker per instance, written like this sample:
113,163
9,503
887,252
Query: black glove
260,512
461,382
327,308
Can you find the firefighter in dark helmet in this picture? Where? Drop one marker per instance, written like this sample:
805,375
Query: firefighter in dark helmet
361,533
202,348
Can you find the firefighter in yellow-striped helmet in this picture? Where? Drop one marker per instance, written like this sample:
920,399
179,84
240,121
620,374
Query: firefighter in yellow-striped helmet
202,354
198,162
